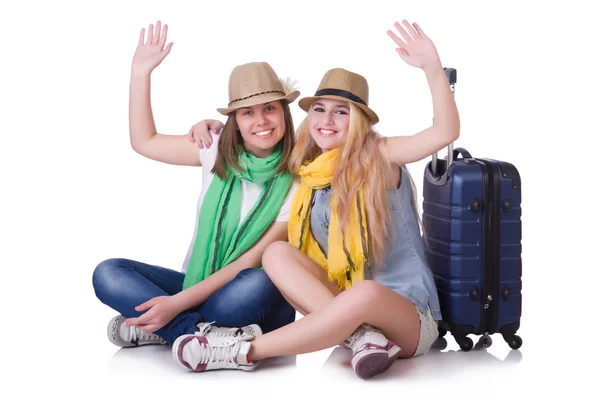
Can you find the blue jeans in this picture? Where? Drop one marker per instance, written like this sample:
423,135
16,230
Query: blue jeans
250,298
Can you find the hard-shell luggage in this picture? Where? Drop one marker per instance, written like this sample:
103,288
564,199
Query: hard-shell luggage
472,236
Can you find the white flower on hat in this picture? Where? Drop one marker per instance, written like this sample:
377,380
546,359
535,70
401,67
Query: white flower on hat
288,84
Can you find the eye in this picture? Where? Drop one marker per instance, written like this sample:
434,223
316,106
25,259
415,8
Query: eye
247,112
342,112
318,109
269,108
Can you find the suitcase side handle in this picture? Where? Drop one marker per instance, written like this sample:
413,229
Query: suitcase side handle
451,75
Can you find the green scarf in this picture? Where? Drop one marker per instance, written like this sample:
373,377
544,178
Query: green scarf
221,238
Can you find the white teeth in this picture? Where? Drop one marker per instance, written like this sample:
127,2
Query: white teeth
327,132
263,133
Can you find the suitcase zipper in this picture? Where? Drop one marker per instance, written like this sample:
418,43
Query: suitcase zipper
490,246
485,295
495,173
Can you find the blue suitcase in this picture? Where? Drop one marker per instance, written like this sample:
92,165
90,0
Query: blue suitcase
472,237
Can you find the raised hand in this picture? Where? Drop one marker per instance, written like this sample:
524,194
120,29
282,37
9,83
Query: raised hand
151,52
415,48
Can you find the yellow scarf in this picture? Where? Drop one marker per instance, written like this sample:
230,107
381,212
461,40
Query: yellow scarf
347,254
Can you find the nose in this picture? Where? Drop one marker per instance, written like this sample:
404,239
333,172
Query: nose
328,118
261,118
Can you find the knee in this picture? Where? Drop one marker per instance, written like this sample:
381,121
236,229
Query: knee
251,286
104,278
253,280
366,294
102,272
274,253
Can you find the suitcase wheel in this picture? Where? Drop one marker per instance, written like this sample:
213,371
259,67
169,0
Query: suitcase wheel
485,341
516,342
465,343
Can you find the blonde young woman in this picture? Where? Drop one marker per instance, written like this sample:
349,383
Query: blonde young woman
243,207
354,265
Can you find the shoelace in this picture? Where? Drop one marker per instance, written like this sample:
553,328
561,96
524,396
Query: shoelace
205,328
218,354
220,332
135,333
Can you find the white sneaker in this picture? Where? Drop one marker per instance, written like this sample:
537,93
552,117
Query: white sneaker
200,353
123,336
392,349
207,329
372,352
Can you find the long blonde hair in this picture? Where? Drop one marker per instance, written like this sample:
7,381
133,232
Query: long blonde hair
362,166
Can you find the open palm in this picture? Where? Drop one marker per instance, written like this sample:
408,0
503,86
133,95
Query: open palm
151,52
415,48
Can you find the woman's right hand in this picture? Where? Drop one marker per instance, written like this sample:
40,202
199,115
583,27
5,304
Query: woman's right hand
200,132
150,54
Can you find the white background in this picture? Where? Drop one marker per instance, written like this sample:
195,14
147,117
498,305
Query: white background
74,192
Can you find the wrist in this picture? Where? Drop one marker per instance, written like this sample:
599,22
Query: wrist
140,73
179,302
433,68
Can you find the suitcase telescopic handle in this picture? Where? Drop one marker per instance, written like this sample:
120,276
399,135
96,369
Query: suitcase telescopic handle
451,76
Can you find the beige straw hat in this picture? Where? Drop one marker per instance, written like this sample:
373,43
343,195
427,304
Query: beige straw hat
255,83
343,85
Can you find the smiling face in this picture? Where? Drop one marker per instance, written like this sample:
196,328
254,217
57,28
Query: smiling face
328,121
262,127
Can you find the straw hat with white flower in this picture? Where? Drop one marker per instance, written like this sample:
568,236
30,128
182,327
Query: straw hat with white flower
256,83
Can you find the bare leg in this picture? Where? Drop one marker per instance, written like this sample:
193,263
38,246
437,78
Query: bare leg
331,318
367,302
301,281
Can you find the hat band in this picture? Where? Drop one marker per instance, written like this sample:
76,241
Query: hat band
342,93
257,94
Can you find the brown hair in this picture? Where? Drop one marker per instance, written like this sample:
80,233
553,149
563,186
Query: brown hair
362,166
230,141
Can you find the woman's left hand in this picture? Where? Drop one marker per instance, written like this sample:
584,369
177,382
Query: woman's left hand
415,48
161,310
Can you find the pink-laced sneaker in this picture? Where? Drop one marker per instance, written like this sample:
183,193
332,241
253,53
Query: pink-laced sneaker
201,353
372,352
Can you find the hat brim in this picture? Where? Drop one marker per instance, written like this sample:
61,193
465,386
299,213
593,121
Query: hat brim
306,102
259,99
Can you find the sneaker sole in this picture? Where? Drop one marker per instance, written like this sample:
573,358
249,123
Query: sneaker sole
367,364
393,357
